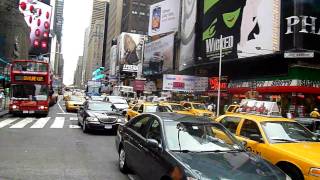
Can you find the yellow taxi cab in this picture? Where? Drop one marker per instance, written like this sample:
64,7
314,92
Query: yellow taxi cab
74,103
66,96
283,142
232,109
197,109
177,108
146,107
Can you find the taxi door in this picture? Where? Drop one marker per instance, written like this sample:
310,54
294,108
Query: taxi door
250,133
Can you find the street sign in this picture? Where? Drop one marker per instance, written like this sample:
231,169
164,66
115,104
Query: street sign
299,55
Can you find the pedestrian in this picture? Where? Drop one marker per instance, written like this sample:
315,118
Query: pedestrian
315,113
211,107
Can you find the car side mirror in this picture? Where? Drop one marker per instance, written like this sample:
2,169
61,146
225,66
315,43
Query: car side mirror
256,137
244,143
153,144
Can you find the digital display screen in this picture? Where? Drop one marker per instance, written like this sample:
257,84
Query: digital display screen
30,78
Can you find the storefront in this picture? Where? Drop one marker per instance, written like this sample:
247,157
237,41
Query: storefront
297,93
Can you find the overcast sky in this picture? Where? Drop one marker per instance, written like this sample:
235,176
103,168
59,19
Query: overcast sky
77,16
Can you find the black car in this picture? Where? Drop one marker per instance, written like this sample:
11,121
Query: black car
172,146
99,115
312,124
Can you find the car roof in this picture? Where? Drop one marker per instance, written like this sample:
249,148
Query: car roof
171,116
260,118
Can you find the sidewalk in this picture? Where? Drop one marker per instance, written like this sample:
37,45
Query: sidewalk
4,112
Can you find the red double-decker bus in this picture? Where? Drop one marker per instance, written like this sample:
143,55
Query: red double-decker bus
30,87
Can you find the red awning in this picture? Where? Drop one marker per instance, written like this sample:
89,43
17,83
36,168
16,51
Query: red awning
277,89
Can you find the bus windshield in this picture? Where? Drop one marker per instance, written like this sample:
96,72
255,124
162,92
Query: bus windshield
33,92
30,66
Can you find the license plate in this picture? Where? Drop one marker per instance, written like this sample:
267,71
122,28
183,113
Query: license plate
108,126
25,112
31,112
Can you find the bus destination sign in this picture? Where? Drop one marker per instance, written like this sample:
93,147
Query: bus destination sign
29,78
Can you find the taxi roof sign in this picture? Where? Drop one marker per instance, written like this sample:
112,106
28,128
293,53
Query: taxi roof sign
265,108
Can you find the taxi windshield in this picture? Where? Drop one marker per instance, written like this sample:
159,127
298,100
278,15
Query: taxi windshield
203,137
175,107
287,132
76,98
156,108
199,106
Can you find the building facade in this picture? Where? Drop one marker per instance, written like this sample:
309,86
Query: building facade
77,81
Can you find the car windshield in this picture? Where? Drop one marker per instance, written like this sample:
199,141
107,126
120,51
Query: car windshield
97,98
34,92
186,136
99,106
157,108
279,132
199,106
175,107
76,98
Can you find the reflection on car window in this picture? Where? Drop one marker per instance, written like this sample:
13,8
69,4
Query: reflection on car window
231,123
100,106
199,106
154,131
140,124
155,108
286,132
249,128
199,137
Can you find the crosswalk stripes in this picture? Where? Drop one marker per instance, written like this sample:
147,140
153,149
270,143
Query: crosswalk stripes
58,123
23,123
7,122
38,123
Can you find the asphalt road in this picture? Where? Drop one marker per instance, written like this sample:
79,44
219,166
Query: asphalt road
55,148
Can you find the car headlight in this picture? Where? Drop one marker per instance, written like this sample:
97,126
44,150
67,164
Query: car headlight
15,107
314,172
93,119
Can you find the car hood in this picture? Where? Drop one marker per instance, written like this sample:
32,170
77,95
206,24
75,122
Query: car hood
235,165
102,114
303,150
184,112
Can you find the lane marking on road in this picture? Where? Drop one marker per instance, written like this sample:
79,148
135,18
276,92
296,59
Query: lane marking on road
22,123
58,122
60,106
7,122
74,126
40,123
73,118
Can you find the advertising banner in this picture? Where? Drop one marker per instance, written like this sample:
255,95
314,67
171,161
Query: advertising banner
246,28
184,83
214,83
300,25
164,17
158,56
150,86
187,44
38,17
130,51
138,85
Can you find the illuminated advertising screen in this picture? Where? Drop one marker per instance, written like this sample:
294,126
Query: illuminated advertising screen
38,17
300,24
246,28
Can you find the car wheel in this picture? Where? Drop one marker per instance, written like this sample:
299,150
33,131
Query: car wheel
84,127
292,171
123,161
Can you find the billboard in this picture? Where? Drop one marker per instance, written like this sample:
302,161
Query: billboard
164,17
247,28
158,56
300,24
38,17
187,44
130,51
184,83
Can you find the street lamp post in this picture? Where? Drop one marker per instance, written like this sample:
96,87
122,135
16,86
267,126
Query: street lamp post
219,84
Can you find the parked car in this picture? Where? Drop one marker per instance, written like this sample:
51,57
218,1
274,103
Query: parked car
146,107
174,146
119,102
99,115
283,142
74,103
